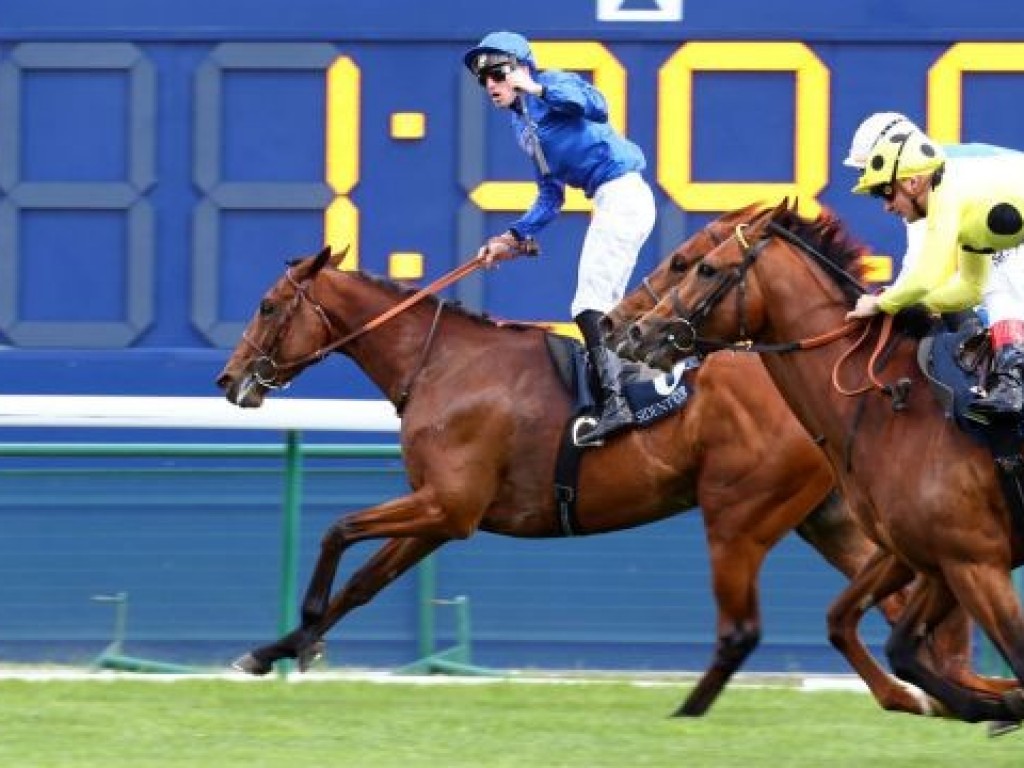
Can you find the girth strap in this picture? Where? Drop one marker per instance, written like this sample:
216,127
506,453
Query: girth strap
567,470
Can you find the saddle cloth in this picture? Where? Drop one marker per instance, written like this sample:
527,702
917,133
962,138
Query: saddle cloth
651,394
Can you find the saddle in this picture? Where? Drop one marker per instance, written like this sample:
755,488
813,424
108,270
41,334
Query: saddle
652,395
957,365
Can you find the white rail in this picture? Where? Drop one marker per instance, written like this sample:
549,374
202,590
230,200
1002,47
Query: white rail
195,413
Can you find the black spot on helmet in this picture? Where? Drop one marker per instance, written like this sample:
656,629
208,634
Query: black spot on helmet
1004,219
927,149
877,162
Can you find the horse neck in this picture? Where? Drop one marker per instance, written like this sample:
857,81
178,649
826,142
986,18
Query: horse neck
389,353
798,306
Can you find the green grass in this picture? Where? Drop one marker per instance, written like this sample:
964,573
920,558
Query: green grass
198,723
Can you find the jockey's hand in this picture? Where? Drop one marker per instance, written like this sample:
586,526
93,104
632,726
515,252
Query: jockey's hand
867,306
504,247
521,79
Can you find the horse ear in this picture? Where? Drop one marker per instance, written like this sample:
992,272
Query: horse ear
320,260
339,257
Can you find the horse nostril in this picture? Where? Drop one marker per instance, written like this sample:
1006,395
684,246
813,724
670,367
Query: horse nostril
635,335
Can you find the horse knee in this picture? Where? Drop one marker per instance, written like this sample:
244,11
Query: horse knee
334,537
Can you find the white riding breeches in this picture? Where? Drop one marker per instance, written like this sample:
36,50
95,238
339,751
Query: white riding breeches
1003,296
622,220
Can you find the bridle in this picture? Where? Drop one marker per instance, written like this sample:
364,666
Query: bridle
266,356
681,331
687,320
302,294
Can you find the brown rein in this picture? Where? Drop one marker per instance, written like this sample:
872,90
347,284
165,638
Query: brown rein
874,383
300,293
824,339
442,282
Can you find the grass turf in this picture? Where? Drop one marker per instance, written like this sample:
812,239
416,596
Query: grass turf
221,724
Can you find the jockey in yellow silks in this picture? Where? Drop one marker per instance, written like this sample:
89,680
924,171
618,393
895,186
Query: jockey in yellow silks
974,218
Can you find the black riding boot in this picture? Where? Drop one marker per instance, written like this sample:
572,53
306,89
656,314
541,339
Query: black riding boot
615,411
1006,398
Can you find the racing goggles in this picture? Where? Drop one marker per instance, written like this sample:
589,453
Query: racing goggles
494,66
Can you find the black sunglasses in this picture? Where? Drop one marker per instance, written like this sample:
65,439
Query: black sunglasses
885,191
497,74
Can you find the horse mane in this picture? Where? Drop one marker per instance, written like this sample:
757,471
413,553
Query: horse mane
403,290
829,236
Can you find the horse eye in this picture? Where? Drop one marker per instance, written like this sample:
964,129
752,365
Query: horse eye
706,270
677,265
266,307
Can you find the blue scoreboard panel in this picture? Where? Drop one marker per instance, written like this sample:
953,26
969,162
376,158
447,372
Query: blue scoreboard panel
158,166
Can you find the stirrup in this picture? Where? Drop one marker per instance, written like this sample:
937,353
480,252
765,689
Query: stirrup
587,424
990,406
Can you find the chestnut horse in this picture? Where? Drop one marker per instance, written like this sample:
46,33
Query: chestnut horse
926,493
480,434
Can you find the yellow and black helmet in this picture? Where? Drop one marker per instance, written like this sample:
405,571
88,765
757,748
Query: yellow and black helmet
898,156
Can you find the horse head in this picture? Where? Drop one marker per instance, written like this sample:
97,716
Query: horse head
722,299
288,332
666,275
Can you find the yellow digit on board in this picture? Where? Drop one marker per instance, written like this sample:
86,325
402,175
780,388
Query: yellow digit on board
341,219
945,82
675,123
609,77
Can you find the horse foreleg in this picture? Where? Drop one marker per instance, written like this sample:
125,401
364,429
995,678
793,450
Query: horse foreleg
832,531
734,572
987,593
948,648
390,562
417,514
418,511
881,576
929,605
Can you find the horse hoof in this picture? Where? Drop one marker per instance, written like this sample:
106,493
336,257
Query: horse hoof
1014,701
310,655
250,665
1002,727
692,709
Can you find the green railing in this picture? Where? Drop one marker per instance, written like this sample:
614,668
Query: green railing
293,452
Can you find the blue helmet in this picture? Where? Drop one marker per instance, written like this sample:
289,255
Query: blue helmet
499,48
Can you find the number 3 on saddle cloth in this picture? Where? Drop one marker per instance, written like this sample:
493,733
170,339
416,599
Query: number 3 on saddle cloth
953,362
651,394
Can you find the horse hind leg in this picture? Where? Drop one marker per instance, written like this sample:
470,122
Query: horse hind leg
734,571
